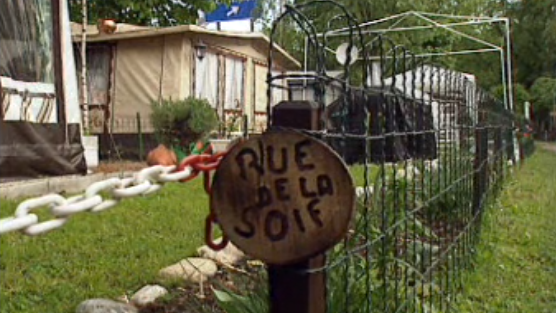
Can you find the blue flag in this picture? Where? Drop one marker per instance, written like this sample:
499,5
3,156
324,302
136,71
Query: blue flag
237,11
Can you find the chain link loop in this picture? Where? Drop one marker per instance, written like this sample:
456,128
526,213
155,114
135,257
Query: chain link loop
128,188
206,165
209,240
150,174
43,227
176,176
76,205
17,223
105,185
144,182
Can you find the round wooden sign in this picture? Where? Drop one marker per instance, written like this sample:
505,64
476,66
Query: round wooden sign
283,197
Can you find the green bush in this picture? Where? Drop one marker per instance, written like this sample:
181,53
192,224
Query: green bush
528,145
521,96
180,123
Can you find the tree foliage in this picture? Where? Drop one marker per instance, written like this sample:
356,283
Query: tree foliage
143,12
486,66
521,95
534,35
533,30
543,93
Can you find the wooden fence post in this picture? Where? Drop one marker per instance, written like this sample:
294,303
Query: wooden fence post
140,134
293,289
291,199
480,167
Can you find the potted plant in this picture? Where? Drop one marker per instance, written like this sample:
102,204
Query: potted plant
229,130
183,124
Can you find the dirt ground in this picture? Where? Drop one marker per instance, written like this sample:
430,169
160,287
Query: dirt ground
547,146
185,298
119,166
189,298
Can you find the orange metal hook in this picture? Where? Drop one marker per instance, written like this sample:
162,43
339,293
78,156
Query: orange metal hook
209,240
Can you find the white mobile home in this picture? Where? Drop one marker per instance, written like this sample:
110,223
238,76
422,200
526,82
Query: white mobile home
134,66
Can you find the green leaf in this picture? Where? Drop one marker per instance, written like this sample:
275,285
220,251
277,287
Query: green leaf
227,296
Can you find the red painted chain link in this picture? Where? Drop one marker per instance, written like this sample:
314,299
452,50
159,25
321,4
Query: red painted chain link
206,163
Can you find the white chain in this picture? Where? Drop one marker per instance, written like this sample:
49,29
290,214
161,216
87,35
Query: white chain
144,182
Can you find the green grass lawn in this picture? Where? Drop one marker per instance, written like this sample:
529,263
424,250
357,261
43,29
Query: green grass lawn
117,252
101,255
516,264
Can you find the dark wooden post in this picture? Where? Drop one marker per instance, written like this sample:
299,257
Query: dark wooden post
480,166
140,134
499,154
58,38
293,289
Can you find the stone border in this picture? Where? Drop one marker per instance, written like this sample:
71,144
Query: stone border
71,184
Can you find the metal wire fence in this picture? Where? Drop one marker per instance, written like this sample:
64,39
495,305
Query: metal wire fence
429,150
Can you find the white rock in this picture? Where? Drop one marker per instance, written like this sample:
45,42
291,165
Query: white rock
230,255
148,294
104,306
194,270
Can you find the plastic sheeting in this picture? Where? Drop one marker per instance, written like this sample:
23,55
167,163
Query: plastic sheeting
388,115
234,90
137,82
98,74
26,39
34,150
27,61
260,88
278,94
206,78
34,141
25,101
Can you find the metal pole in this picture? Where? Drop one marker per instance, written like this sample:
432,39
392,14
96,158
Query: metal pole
84,91
504,80
306,47
382,20
510,81
419,27
140,134
486,43
509,63
426,55
468,17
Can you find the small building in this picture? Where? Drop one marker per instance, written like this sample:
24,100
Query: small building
135,66
302,88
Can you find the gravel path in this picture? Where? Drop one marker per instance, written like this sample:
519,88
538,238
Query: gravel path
547,146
